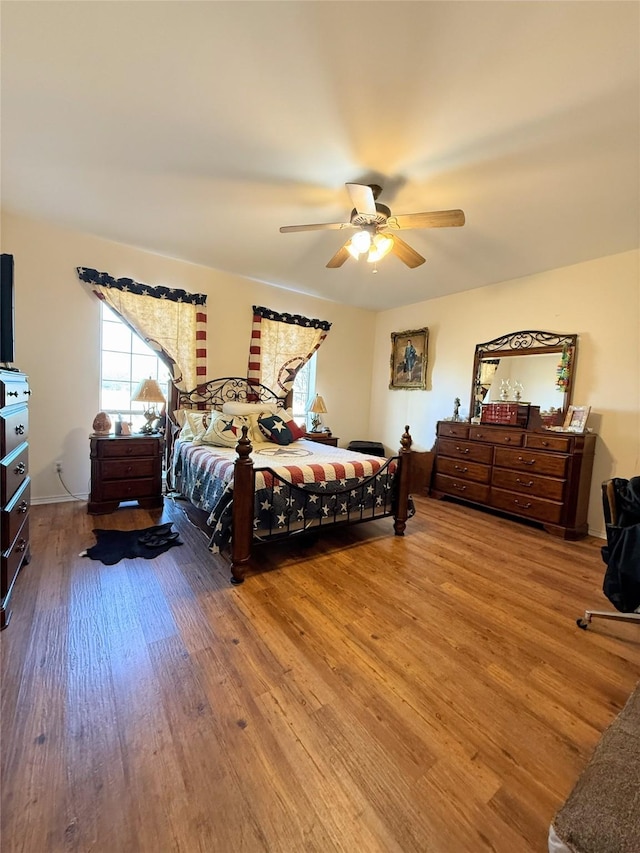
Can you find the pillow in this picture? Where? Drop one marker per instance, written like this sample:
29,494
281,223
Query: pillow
279,430
235,408
223,430
195,424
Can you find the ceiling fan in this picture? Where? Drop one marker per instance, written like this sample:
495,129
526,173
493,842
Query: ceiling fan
375,235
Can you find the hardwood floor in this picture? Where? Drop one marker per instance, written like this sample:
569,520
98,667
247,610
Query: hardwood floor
372,694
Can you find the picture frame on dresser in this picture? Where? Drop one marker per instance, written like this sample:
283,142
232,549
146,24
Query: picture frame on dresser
576,418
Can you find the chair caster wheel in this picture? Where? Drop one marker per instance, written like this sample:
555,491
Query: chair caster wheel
582,623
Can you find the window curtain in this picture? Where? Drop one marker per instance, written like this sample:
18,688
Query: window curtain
280,345
172,321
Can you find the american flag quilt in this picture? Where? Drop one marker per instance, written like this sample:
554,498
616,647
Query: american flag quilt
298,486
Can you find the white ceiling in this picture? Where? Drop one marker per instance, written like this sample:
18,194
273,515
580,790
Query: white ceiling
196,129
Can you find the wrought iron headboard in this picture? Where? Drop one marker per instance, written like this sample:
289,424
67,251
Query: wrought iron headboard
216,392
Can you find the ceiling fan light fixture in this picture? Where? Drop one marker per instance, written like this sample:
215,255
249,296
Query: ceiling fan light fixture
361,241
382,245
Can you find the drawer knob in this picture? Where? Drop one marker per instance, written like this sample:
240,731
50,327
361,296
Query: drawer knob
20,468
479,435
522,506
462,470
28,393
23,507
12,393
20,429
21,546
526,461
522,483
459,486
462,450
507,439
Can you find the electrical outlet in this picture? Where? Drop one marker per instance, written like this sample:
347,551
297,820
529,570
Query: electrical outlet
58,467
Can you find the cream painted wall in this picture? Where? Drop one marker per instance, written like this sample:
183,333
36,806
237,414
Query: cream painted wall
599,300
57,340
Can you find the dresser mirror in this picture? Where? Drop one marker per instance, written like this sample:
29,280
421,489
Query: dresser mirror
529,367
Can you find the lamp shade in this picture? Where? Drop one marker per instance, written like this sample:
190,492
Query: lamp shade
318,407
148,391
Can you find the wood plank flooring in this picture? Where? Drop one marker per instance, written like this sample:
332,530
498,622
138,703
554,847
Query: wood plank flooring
370,694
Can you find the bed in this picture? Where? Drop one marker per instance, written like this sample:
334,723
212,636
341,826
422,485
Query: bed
253,486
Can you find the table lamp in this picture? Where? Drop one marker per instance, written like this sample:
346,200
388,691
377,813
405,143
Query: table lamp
149,393
317,408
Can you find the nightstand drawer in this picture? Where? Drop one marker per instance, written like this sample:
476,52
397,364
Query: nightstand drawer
125,469
128,490
128,447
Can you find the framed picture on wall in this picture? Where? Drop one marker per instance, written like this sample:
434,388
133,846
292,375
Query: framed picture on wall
409,359
576,418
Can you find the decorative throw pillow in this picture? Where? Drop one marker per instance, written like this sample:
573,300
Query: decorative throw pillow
223,430
195,424
278,430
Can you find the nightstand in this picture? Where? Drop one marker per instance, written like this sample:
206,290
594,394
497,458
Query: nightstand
125,468
322,438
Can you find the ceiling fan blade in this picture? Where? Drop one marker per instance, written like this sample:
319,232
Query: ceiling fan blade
324,226
362,198
434,219
406,254
339,258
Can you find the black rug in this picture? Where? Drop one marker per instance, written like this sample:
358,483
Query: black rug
115,545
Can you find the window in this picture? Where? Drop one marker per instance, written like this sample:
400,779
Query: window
126,359
303,391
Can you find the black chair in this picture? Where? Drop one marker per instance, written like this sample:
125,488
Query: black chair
621,506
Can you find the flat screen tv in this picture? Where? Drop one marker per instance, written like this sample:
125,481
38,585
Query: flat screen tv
6,309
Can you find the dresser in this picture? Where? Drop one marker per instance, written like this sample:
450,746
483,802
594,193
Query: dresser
15,484
542,476
125,468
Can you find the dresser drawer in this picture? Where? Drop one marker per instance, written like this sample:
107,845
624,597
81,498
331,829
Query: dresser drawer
13,470
453,429
11,559
13,389
14,429
128,490
529,484
512,437
534,461
463,469
125,469
128,447
459,488
540,441
535,508
14,513
465,450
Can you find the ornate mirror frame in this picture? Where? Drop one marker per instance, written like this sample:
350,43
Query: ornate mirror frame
530,343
